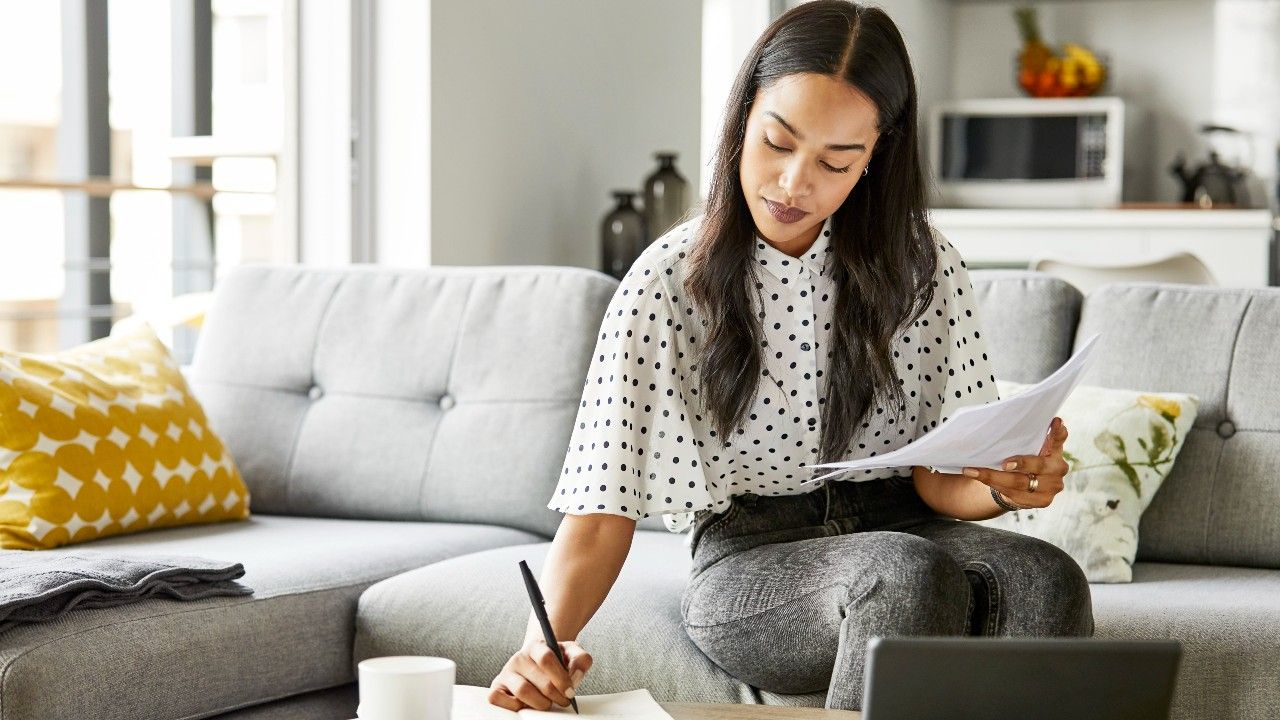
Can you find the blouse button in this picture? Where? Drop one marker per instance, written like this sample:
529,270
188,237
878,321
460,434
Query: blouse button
805,347
447,402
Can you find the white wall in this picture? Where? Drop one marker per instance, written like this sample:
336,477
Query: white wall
928,33
402,140
540,109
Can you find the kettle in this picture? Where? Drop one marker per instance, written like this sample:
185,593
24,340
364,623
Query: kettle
1214,183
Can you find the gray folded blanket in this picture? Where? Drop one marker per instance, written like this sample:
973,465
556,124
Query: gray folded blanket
38,585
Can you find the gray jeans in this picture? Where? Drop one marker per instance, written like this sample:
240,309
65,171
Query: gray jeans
786,590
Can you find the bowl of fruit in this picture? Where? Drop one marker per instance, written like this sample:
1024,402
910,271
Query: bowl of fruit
1076,71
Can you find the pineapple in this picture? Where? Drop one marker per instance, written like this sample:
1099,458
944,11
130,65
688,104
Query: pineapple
1034,51
1042,73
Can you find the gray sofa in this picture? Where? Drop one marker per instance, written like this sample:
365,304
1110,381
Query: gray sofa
401,432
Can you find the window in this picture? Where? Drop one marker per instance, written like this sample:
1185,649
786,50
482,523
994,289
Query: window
115,207
31,247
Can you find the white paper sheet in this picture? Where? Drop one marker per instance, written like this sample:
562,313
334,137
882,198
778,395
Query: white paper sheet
470,702
984,435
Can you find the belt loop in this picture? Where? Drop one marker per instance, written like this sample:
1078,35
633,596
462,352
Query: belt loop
826,501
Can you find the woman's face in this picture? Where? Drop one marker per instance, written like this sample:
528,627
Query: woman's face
822,131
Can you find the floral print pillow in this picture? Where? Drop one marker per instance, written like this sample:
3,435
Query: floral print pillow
1121,446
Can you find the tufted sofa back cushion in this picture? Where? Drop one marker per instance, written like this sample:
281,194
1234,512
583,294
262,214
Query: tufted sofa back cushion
1220,502
441,394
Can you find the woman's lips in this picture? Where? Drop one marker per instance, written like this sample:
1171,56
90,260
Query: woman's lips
781,214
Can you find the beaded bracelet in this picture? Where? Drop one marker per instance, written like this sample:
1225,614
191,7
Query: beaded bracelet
1002,502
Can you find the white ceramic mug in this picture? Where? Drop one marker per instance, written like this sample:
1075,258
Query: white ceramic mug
406,687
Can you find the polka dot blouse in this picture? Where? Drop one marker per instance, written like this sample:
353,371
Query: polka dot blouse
643,444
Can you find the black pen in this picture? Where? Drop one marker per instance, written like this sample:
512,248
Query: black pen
539,609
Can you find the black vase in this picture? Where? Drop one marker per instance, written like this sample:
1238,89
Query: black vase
666,195
622,235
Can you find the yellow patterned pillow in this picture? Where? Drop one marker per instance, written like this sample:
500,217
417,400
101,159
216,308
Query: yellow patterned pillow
105,439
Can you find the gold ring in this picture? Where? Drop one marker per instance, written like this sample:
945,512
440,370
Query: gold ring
1035,482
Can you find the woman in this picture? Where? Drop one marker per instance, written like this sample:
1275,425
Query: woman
811,314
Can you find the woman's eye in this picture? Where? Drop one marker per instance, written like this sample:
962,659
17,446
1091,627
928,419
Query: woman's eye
783,150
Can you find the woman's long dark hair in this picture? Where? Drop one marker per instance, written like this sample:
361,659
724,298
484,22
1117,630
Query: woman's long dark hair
881,242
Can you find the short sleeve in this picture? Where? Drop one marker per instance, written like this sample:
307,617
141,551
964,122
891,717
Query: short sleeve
956,370
633,450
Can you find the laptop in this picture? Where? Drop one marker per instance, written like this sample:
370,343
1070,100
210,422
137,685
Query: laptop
973,678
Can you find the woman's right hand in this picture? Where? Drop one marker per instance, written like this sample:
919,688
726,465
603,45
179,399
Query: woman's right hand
534,678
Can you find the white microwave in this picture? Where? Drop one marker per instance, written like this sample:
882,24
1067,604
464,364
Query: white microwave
1030,152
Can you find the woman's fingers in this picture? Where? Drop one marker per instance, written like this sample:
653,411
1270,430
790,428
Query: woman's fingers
534,677
547,674
1014,480
1050,465
1003,481
1014,485
498,695
546,660
579,661
1055,438
1038,499
525,691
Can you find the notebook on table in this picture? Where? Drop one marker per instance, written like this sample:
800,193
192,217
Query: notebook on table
471,702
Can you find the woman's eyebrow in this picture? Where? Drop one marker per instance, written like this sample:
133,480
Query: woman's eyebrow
830,146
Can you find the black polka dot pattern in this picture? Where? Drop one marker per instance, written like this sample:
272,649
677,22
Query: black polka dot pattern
641,443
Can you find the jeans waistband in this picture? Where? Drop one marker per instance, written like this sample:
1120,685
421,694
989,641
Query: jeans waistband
834,508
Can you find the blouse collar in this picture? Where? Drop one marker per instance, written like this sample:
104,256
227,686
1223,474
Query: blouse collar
782,265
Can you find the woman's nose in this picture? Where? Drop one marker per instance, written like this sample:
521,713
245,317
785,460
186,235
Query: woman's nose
794,182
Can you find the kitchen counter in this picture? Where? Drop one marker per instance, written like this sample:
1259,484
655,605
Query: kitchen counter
1235,244
1138,216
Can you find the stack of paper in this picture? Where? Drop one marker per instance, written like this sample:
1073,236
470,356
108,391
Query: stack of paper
472,703
984,435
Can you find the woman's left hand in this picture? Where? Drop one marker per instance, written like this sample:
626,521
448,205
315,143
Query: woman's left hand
1049,467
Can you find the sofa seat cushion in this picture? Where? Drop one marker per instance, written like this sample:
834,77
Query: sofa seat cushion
166,658
336,702
1228,620
474,610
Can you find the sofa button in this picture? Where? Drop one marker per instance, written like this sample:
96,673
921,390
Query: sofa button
447,402
315,392
1226,429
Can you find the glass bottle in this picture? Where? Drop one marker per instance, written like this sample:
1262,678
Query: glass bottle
622,235
666,195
